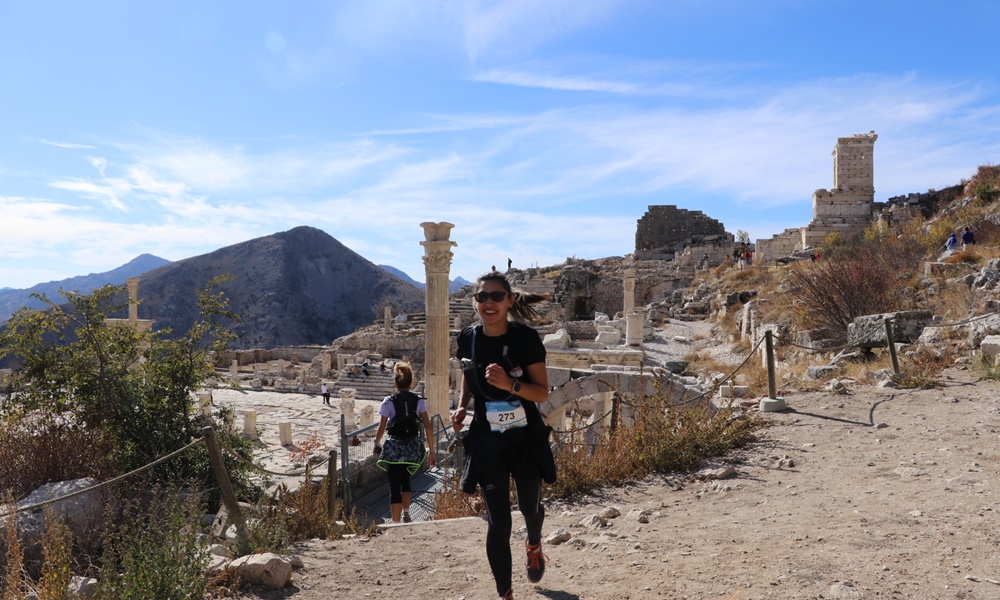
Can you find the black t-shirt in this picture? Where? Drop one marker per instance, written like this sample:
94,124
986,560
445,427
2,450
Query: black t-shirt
515,351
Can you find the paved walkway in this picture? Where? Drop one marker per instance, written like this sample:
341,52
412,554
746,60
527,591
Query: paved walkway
311,418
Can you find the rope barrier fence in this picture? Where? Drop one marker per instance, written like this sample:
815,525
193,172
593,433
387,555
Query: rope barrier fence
97,486
715,388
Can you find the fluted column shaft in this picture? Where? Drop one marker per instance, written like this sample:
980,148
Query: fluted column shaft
437,266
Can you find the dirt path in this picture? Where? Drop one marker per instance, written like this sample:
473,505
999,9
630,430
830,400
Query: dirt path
828,506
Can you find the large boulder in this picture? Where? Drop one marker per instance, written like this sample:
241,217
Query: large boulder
869,331
81,513
979,330
268,569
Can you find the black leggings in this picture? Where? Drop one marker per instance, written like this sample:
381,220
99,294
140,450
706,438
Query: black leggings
399,482
495,484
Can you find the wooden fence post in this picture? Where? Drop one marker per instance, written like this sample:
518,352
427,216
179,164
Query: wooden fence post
891,344
225,485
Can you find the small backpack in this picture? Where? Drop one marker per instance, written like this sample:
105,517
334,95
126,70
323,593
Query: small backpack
406,423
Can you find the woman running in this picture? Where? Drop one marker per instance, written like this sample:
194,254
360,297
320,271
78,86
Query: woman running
503,371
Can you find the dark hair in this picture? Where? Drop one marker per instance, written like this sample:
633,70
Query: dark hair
402,375
522,309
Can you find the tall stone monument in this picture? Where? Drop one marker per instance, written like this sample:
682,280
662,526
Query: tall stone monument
133,300
629,300
846,209
437,265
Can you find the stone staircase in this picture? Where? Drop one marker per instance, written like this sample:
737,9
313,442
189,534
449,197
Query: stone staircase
460,314
376,387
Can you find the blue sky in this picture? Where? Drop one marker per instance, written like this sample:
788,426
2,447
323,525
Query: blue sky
542,130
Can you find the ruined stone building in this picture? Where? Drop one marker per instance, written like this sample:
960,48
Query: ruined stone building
666,232
845,209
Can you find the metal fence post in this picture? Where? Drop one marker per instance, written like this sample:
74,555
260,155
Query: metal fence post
345,449
331,484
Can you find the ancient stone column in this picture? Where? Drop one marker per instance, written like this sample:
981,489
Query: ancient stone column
387,320
629,292
437,264
250,425
205,403
234,370
133,300
285,434
368,417
347,409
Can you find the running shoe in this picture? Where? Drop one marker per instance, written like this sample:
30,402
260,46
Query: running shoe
509,595
535,563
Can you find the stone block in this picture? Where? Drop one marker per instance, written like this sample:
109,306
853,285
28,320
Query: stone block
869,331
558,340
821,372
558,376
990,346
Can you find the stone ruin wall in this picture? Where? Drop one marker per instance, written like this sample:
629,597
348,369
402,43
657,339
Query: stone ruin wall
662,231
899,211
846,209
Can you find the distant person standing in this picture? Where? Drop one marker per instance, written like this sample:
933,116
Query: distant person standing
952,242
326,393
968,238
509,263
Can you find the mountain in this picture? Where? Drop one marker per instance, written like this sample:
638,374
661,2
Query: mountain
457,284
454,285
13,299
295,287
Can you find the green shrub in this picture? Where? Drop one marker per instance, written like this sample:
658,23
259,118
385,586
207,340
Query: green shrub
153,551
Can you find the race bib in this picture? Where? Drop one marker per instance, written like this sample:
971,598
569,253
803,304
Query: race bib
505,415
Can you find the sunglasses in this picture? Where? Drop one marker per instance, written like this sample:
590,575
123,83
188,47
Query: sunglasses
494,296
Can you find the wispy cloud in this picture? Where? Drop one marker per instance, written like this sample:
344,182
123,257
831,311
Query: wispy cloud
67,145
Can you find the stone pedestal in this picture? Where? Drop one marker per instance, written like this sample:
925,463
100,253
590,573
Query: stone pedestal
772,404
347,409
285,434
368,417
205,403
633,328
250,424
437,265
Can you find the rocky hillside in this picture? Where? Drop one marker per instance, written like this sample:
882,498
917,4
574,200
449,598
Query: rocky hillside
13,299
296,287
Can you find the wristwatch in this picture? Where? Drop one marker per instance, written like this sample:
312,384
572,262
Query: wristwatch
516,387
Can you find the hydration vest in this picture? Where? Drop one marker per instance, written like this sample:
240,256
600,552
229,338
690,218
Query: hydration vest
406,423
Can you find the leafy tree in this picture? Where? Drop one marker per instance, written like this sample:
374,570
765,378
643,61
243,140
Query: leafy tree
132,389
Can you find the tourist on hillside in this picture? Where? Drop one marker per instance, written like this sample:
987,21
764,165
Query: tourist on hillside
503,370
952,242
364,372
326,393
968,238
402,414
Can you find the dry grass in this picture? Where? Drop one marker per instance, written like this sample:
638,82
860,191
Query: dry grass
450,502
661,438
